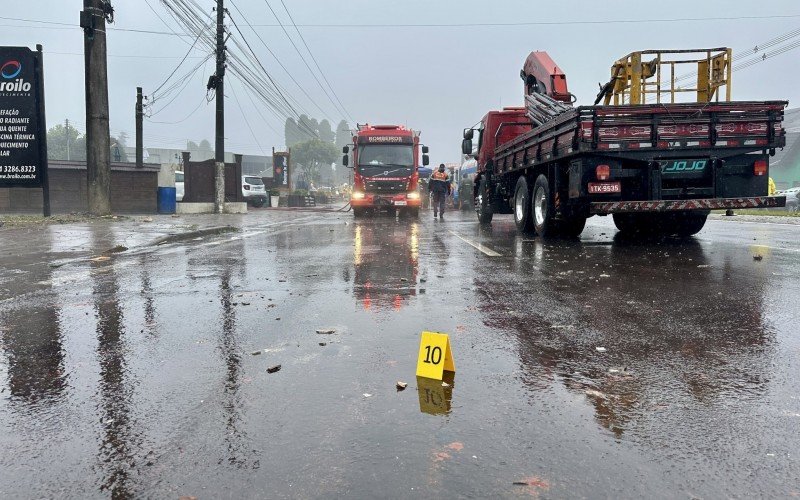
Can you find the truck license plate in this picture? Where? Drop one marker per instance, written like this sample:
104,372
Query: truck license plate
604,187
400,203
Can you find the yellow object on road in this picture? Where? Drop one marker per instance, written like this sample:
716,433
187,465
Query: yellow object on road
771,189
434,356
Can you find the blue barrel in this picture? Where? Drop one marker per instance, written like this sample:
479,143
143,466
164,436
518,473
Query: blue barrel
166,200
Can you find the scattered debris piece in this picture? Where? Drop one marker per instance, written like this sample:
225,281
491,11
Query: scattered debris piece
323,344
403,279
703,265
445,385
595,394
600,349
366,395
455,446
147,219
273,369
326,331
102,258
401,385
255,353
245,303
116,249
758,257
605,275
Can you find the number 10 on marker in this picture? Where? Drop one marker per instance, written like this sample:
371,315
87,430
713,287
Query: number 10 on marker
435,356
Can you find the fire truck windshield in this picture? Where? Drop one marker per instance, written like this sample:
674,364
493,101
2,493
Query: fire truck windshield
385,159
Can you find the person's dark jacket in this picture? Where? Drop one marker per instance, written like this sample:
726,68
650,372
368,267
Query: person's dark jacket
439,182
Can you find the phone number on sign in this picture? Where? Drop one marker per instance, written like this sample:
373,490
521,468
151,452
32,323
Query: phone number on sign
18,169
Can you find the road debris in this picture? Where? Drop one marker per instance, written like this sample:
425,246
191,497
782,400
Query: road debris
255,353
401,386
273,369
600,349
323,344
326,331
445,385
367,395
758,257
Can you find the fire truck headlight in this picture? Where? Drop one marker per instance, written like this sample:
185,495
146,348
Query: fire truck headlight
358,195
413,195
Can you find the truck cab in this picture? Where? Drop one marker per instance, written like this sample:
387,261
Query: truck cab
386,161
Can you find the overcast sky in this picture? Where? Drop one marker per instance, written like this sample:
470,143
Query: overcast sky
435,79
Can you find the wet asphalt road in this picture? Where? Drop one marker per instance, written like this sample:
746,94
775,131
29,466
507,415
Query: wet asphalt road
134,376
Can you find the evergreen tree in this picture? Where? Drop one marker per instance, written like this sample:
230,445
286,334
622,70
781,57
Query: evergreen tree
325,132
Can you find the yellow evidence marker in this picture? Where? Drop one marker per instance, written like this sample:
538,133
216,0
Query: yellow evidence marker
435,356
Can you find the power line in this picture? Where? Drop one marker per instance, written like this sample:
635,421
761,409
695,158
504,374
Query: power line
238,104
431,25
342,111
315,61
302,89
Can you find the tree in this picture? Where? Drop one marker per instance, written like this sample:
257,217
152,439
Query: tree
325,132
57,139
205,146
307,128
343,135
291,132
312,155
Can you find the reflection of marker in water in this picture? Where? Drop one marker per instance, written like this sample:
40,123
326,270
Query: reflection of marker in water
486,250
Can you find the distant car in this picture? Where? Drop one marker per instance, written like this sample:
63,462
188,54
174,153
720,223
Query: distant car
179,186
792,201
254,191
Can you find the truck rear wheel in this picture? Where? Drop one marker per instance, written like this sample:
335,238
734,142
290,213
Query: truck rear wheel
631,223
483,202
359,212
543,221
689,223
522,206
572,227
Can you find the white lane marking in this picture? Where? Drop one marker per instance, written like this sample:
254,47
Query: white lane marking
486,250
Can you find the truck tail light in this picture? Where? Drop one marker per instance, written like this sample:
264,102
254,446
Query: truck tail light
603,172
760,167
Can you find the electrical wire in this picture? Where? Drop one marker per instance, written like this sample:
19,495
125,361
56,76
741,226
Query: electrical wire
297,49
315,61
302,89
244,116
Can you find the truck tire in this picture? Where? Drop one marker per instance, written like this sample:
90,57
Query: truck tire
543,221
483,202
630,223
572,227
522,206
689,223
359,212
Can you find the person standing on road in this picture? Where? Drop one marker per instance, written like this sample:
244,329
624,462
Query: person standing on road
439,185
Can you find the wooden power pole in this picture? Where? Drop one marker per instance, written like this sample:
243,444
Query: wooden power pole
219,154
139,120
98,147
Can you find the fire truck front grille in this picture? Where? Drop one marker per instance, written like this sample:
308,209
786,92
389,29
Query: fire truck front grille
386,187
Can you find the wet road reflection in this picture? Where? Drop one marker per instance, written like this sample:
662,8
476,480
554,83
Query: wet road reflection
116,455
385,261
634,369
634,326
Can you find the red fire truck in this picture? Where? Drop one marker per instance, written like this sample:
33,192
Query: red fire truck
386,159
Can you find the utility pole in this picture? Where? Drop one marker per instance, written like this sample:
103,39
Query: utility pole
98,147
219,155
66,129
139,120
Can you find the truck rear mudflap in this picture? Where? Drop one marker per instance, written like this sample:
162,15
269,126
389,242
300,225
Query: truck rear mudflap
617,207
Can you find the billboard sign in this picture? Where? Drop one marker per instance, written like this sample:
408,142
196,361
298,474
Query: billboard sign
22,153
